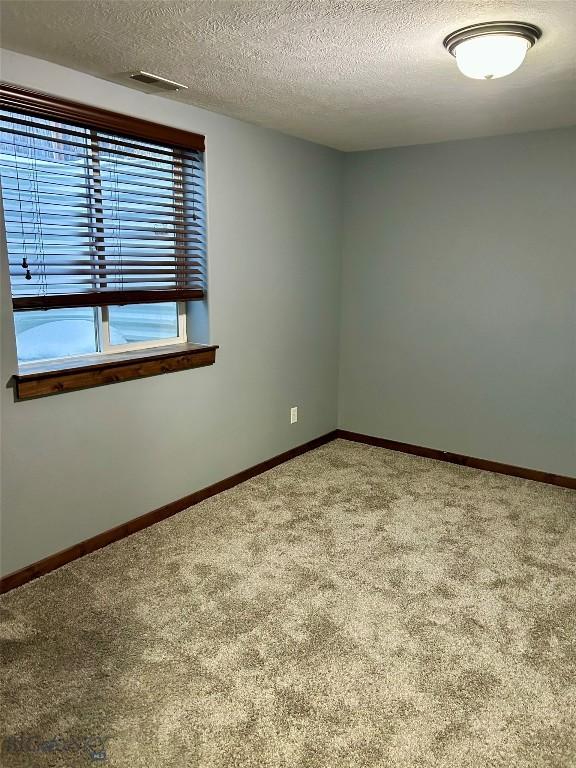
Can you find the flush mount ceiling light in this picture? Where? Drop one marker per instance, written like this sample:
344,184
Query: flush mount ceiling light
492,49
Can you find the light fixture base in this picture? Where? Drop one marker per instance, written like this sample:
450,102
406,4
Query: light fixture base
529,32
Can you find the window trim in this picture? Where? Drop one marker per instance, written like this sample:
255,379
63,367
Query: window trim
40,380
84,115
107,348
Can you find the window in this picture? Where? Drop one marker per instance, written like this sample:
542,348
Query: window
104,219
60,333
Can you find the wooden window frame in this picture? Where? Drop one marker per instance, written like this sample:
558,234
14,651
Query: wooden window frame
39,380
93,117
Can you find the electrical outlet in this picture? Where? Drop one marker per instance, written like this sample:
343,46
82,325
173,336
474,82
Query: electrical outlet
294,414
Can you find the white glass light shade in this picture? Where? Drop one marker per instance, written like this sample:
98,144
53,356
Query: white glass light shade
490,56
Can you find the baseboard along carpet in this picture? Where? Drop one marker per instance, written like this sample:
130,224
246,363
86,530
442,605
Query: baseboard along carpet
355,607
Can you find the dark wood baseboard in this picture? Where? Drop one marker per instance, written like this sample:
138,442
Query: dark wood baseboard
456,458
50,563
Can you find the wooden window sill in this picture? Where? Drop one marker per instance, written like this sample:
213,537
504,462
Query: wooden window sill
40,379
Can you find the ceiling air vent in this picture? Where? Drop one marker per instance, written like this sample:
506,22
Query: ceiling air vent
157,82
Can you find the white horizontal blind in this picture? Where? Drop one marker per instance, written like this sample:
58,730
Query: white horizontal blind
95,218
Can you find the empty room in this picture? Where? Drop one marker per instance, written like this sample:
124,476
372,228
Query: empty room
288,383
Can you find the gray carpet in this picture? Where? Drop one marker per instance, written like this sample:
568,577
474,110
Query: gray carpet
353,607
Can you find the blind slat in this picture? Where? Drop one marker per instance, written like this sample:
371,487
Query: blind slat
14,170
28,229
79,181
133,281
34,209
42,248
167,271
116,199
101,298
125,262
139,217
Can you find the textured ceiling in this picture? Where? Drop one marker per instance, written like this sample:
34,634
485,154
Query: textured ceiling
352,74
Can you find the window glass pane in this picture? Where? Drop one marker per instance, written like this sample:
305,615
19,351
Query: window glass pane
143,322
42,335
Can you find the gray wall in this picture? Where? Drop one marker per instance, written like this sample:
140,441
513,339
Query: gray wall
459,298
79,463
